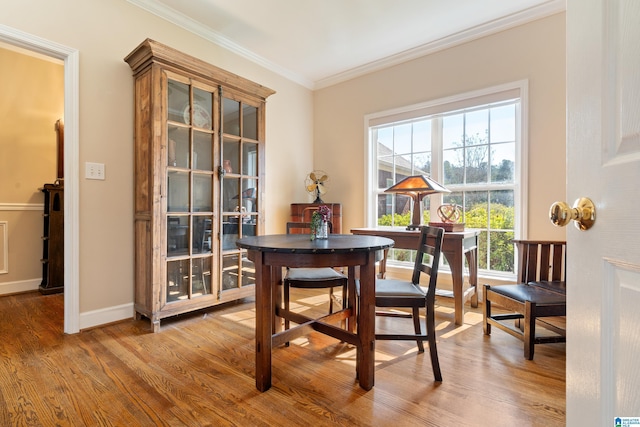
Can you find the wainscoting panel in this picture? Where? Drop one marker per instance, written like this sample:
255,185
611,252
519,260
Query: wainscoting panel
21,228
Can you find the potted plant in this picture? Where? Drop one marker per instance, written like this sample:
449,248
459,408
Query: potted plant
320,223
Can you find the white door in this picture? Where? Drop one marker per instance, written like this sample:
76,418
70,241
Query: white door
603,163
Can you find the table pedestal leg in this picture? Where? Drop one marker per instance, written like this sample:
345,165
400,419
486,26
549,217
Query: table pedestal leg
366,325
264,322
351,299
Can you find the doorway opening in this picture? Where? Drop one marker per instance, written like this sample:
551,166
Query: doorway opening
70,57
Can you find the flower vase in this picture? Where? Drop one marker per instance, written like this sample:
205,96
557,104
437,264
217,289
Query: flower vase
322,231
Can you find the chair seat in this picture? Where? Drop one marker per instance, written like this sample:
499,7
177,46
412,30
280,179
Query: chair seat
313,274
552,285
398,288
536,294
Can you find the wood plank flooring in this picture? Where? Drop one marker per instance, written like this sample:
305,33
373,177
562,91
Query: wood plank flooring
199,371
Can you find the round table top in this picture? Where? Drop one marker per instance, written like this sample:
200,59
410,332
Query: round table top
302,243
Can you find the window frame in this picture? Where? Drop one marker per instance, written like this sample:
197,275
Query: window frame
517,89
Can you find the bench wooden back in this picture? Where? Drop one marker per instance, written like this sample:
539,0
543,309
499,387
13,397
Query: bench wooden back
541,260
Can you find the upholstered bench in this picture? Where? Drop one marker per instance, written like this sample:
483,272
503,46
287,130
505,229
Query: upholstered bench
540,294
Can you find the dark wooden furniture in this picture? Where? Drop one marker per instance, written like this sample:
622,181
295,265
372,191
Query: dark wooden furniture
410,294
540,294
199,180
271,253
301,212
53,240
456,247
312,278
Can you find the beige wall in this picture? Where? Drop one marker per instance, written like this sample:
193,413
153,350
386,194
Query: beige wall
535,51
104,32
31,101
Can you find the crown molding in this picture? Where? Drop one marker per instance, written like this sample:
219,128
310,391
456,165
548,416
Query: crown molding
207,33
549,8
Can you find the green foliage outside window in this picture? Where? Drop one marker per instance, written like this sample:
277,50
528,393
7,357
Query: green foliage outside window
501,236
402,220
501,223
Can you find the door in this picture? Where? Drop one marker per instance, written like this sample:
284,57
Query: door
603,163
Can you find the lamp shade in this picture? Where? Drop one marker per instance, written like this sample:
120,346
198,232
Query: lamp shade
417,184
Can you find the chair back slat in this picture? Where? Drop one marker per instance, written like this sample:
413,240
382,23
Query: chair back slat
532,263
428,257
543,273
540,260
559,260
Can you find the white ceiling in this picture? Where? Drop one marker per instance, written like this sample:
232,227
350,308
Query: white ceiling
321,42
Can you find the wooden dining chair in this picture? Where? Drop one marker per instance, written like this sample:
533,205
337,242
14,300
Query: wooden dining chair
391,293
312,278
540,294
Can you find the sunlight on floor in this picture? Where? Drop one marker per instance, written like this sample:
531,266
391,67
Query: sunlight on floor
302,301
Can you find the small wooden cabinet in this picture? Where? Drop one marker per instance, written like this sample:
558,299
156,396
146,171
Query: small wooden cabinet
53,240
199,181
301,212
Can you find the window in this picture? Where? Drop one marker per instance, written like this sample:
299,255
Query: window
473,145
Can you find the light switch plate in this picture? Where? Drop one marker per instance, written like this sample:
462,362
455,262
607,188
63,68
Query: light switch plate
94,171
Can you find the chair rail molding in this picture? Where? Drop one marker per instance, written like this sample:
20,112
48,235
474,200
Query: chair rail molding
21,207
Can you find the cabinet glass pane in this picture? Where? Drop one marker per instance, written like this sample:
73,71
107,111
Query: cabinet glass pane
178,151
249,195
230,267
202,188
202,152
249,122
177,235
177,280
178,191
201,234
178,101
200,276
229,232
230,200
249,228
230,116
248,271
250,159
202,109
231,155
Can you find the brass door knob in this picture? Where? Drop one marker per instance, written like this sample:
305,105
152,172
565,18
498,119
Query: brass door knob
583,213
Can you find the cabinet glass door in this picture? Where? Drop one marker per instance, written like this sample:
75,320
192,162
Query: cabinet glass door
190,190
241,148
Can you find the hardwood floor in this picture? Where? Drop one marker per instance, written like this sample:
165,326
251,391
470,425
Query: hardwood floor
199,371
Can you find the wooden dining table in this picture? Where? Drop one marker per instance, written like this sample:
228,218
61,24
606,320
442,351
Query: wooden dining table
270,253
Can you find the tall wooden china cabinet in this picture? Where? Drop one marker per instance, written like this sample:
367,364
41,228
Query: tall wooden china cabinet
199,180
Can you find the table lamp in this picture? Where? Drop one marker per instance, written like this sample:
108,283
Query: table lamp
417,186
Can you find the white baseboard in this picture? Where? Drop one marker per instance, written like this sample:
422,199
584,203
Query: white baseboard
103,316
19,286
88,319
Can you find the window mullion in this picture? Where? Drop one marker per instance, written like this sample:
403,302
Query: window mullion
437,165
